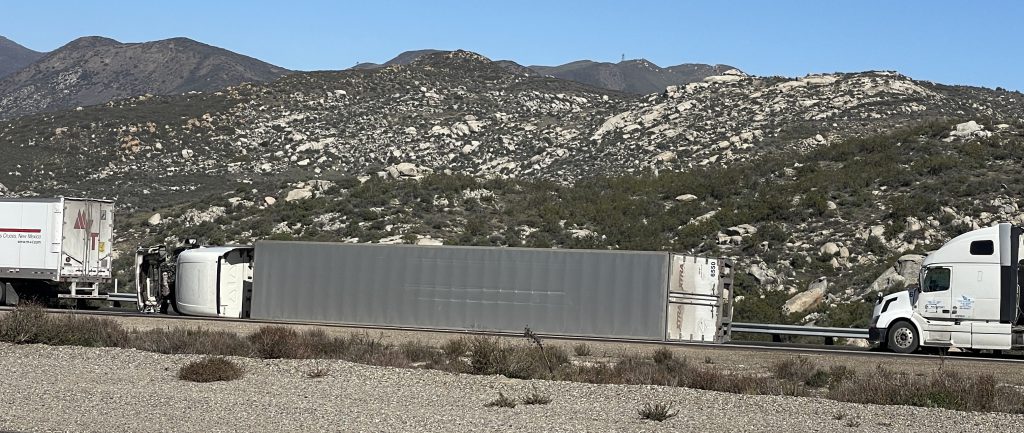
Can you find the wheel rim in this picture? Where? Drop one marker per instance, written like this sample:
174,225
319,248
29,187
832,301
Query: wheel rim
903,338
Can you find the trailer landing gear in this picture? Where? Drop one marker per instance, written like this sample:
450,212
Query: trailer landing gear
7,294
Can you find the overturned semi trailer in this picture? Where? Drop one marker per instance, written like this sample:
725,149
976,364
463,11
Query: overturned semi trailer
654,296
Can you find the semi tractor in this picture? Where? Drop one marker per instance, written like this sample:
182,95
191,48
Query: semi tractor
52,248
968,296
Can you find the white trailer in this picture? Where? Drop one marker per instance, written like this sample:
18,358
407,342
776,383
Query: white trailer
55,248
656,296
968,296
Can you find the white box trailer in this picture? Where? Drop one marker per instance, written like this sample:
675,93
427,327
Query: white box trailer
646,295
55,247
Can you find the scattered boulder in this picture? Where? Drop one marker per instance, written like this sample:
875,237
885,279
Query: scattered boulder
829,249
740,230
704,217
154,219
762,274
187,153
270,201
299,194
666,156
406,170
905,270
808,299
970,129
686,198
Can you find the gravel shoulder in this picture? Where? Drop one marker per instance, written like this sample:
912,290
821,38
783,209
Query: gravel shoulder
117,390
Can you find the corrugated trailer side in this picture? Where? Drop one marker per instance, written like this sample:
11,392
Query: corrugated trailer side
557,292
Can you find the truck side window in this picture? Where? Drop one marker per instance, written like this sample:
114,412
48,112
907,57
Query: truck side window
982,248
936,280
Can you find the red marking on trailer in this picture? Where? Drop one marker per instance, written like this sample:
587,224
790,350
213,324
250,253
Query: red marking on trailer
80,222
20,230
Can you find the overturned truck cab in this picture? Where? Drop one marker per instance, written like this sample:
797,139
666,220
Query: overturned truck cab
967,296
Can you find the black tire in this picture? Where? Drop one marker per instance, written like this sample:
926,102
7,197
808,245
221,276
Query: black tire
902,338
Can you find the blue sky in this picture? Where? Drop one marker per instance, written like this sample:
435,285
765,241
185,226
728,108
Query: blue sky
977,43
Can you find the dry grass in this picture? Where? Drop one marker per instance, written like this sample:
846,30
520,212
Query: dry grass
581,349
656,411
279,342
535,397
805,371
455,348
502,401
529,360
32,325
942,388
416,351
211,369
191,340
317,371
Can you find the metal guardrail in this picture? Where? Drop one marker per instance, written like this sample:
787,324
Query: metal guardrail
777,331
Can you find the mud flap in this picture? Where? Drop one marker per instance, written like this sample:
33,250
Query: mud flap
7,295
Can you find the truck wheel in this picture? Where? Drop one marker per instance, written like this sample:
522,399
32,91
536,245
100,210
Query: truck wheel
902,338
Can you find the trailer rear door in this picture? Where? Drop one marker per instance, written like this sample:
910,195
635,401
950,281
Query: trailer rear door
88,231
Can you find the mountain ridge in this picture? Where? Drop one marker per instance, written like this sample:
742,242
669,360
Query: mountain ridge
14,57
637,76
94,70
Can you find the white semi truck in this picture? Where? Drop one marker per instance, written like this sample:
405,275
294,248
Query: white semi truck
52,248
968,296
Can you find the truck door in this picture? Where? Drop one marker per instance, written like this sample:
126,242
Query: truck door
935,300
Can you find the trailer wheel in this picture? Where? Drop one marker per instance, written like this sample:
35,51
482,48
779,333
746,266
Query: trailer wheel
902,338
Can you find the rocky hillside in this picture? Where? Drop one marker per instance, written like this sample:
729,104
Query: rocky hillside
94,70
638,77
404,58
816,186
14,57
